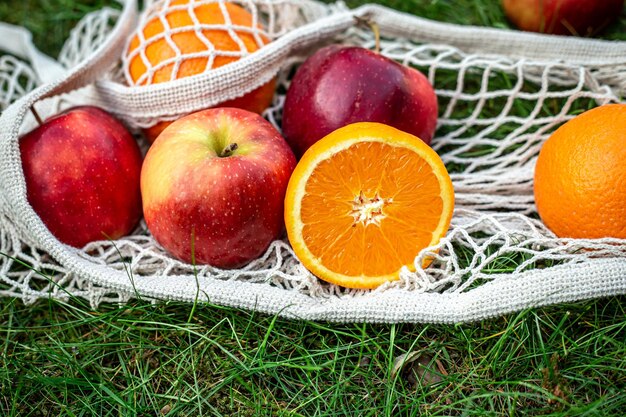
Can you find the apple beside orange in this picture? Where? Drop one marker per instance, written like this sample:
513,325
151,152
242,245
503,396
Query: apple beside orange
213,187
341,85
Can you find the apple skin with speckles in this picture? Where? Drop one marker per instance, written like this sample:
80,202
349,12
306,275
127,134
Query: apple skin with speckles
82,172
213,185
563,17
340,85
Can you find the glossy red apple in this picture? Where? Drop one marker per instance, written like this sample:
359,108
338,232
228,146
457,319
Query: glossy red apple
213,186
82,171
341,85
563,17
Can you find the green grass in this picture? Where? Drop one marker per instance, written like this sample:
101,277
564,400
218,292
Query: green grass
142,359
64,359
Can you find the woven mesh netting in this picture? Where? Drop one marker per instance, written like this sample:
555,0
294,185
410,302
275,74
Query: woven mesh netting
182,37
488,136
16,79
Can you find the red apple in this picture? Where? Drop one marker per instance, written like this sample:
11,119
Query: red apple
82,172
341,85
563,17
213,186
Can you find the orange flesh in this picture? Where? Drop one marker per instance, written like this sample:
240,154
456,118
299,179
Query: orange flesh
397,228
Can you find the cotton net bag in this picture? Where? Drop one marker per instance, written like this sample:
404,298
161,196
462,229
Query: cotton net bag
488,136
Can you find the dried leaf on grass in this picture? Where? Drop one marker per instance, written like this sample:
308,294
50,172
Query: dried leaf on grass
553,382
418,368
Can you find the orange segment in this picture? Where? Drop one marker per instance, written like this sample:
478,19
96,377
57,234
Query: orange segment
364,201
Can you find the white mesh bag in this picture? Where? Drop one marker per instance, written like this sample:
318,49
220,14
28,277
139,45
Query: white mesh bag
488,136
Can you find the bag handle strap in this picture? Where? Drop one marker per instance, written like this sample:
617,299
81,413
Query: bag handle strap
53,77
19,42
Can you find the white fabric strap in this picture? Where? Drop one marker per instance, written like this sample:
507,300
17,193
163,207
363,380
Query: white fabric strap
19,42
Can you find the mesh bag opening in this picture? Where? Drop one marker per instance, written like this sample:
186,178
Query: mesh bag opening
496,110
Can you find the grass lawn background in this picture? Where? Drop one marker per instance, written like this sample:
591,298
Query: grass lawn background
155,360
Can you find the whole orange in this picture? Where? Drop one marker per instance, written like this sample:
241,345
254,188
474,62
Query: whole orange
198,36
580,177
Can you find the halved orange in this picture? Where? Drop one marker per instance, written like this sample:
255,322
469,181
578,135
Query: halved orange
364,201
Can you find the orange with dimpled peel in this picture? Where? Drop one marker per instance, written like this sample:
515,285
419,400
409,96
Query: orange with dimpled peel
364,201
580,176
207,35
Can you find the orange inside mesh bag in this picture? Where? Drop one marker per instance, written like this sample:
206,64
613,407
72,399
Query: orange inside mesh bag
181,38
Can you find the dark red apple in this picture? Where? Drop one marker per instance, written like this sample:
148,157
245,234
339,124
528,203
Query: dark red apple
213,186
341,85
563,17
82,171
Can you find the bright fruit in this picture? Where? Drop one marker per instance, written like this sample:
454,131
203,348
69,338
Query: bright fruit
364,201
161,56
219,176
580,177
82,176
341,85
563,17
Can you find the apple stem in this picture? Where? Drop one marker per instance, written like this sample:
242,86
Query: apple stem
228,151
32,109
371,24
